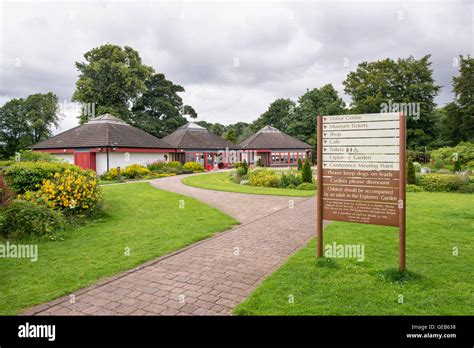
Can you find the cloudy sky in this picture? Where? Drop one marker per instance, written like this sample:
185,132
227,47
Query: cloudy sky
232,58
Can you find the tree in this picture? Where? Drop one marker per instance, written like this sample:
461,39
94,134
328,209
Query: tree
278,114
259,162
300,164
458,121
406,82
318,101
112,78
42,113
307,175
159,110
24,122
411,176
230,135
217,129
245,167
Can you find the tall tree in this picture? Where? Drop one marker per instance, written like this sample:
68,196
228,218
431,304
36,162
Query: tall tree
277,115
24,122
160,110
377,84
112,78
458,121
318,101
42,112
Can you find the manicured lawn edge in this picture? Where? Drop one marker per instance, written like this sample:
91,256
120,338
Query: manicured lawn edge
220,182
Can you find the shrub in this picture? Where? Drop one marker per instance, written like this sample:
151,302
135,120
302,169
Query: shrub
6,163
240,172
193,167
73,192
290,179
300,164
173,164
236,165
411,176
444,171
35,156
259,163
264,177
134,171
307,175
413,188
111,174
468,188
442,183
457,166
306,186
28,176
464,151
245,167
23,219
438,164
157,166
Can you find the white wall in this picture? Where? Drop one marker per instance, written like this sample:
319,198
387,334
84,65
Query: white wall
66,157
124,159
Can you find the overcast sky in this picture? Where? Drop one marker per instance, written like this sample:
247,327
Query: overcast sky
233,59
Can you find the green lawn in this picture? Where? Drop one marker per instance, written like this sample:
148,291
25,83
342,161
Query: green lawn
139,217
220,182
437,282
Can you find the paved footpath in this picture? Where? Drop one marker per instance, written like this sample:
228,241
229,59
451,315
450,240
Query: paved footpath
209,277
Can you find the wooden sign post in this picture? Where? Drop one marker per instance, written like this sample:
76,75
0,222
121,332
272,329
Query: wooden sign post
361,172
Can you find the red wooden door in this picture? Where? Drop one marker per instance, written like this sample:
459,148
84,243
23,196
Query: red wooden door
85,160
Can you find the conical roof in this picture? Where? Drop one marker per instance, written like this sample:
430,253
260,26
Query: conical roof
193,136
271,138
104,130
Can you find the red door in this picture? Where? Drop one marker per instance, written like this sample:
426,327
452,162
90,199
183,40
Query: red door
85,160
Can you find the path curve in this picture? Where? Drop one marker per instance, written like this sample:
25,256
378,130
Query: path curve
209,277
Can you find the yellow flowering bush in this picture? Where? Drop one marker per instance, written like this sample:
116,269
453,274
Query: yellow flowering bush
135,171
70,191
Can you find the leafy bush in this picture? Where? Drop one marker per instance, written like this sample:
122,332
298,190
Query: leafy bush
157,166
6,163
193,167
23,219
438,164
28,176
468,188
173,164
464,151
457,166
306,186
245,167
134,171
290,179
443,183
236,165
74,192
307,175
259,163
35,156
300,164
111,174
444,171
413,188
264,177
240,172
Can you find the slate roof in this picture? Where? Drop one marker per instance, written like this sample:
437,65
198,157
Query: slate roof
271,138
104,130
193,136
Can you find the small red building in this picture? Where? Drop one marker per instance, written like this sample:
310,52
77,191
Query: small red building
106,142
275,148
194,143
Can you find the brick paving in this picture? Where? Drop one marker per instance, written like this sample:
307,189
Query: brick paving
207,278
